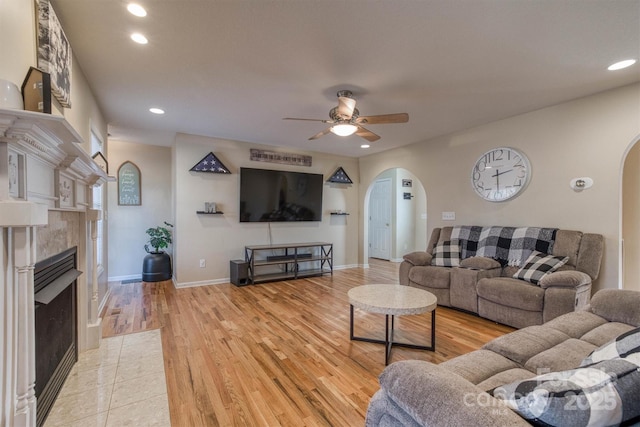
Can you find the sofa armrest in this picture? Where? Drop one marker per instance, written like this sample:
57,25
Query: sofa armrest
435,396
418,258
565,279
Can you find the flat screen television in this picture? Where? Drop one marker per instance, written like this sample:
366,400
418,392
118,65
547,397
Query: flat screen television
272,195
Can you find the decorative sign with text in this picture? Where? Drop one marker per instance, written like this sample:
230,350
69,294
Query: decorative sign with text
129,192
277,157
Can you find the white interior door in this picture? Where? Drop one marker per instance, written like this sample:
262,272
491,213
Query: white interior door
380,220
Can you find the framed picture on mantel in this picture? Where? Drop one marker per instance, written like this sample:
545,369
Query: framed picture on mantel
101,161
129,190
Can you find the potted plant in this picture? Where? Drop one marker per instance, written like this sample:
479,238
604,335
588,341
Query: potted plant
156,265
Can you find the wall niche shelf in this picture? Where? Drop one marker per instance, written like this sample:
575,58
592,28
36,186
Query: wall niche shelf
209,213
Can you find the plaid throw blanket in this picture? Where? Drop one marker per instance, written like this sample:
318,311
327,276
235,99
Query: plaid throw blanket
509,245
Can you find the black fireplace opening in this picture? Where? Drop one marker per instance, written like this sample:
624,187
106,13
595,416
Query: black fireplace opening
56,332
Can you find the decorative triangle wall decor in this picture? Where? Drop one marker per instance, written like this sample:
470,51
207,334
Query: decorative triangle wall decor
340,176
210,163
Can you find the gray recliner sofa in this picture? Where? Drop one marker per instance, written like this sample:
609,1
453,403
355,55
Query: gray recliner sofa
581,368
486,286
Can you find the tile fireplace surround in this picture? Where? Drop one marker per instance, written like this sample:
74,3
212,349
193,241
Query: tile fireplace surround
45,191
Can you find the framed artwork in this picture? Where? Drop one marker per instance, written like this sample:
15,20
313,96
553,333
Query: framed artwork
36,91
54,52
129,190
101,161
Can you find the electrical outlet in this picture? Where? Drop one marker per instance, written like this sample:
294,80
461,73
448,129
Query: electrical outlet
203,263
448,216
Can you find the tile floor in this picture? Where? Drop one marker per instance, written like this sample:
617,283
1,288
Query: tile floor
120,384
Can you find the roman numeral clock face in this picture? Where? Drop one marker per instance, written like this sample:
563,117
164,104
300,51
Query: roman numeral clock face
500,174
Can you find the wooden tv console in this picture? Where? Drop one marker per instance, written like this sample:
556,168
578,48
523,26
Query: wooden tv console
268,263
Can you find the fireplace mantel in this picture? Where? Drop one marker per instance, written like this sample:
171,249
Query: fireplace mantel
43,167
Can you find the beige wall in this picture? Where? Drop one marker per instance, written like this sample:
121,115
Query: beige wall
220,238
128,224
585,137
631,219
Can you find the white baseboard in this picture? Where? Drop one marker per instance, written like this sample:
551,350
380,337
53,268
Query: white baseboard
344,267
128,277
179,285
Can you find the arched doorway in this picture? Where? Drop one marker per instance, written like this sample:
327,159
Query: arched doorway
630,229
395,212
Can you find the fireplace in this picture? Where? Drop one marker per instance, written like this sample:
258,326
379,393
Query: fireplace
56,337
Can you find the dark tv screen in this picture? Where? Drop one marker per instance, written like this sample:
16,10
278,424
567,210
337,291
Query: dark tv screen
271,195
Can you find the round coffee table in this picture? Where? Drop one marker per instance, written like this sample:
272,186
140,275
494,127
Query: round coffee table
393,300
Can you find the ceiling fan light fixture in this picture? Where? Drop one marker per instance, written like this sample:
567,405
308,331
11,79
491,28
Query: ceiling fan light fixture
344,129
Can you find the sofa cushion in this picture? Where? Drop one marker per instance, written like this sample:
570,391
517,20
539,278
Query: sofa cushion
523,344
479,365
566,355
621,346
576,323
605,333
601,394
431,276
505,377
539,265
511,293
446,254
567,244
479,263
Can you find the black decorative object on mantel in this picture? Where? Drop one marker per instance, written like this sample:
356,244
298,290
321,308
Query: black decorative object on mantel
210,163
340,177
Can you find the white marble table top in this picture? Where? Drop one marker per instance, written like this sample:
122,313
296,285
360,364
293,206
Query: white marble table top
392,299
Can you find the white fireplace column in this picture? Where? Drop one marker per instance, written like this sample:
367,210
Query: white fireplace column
94,327
18,222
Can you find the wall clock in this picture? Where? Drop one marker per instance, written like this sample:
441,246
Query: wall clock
500,174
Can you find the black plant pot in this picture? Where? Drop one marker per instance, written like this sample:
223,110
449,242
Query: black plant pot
156,267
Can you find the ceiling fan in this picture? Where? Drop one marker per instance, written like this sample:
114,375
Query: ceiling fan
346,119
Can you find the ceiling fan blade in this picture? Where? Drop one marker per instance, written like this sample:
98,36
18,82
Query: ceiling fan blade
384,118
309,120
346,107
367,134
319,134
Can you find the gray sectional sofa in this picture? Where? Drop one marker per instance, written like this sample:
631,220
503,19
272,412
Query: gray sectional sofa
481,279
581,368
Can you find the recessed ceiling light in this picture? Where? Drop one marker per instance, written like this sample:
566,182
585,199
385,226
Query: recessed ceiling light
622,64
136,9
155,110
139,38
365,146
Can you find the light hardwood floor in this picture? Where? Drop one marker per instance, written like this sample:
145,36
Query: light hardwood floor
279,353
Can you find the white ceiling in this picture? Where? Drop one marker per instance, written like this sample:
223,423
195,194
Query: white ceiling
233,69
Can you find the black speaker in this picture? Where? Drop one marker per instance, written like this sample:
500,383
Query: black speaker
239,272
